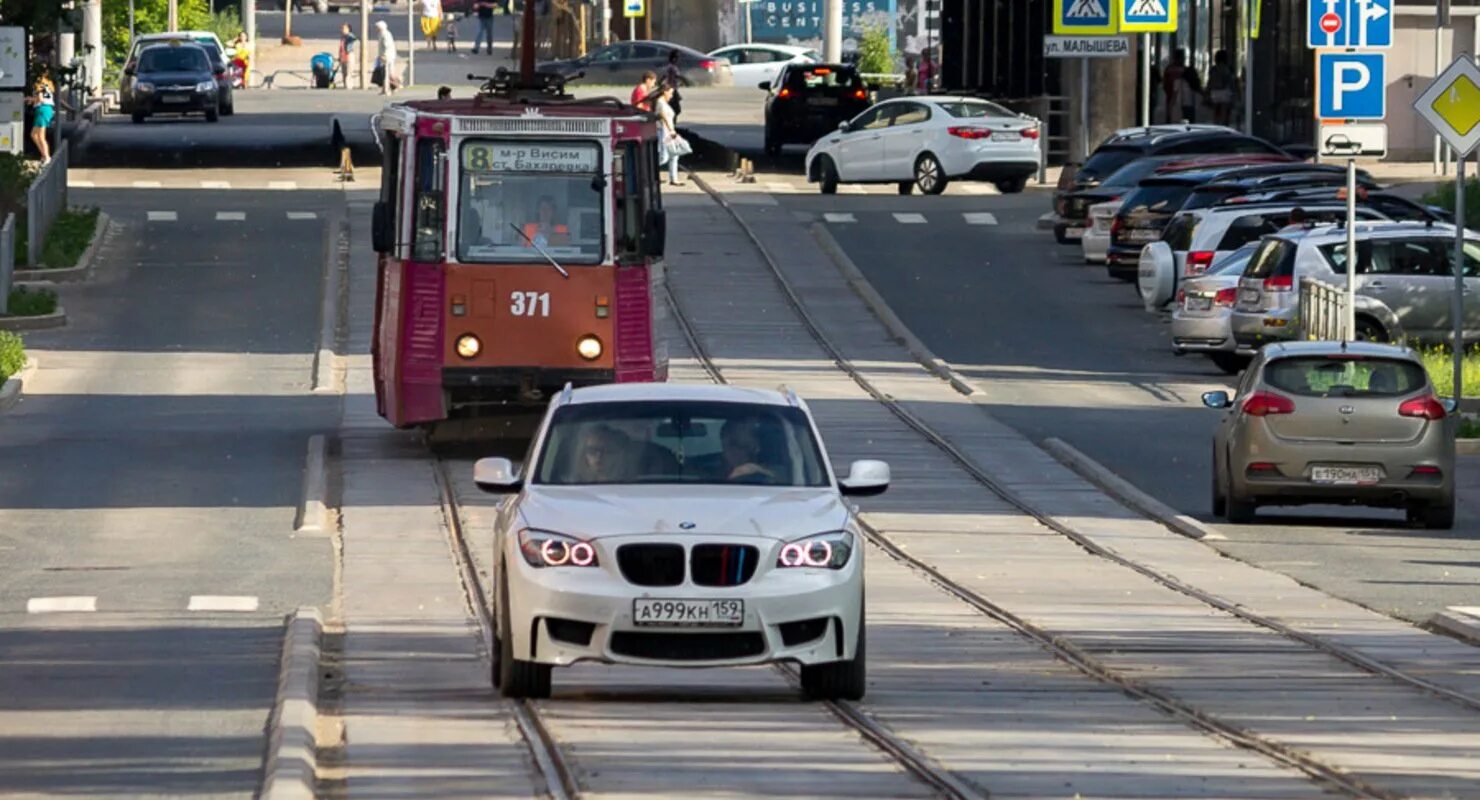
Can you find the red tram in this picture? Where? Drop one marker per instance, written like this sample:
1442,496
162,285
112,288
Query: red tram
517,233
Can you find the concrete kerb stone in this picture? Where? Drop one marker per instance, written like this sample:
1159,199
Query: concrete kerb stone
55,319
1126,493
313,512
1460,622
1467,447
84,262
290,771
331,307
11,389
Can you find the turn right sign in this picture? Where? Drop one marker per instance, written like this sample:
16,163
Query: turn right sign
1451,105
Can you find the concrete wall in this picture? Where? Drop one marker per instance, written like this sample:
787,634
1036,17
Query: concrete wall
1112,97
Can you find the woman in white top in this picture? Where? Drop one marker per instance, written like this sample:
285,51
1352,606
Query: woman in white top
387,45
667,134
431,21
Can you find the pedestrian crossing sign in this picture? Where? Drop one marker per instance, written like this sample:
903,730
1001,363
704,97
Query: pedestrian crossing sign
1148,16
1087,16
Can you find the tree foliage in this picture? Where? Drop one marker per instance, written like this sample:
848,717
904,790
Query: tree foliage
875,55
152,16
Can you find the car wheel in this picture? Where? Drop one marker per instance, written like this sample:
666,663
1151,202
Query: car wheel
906,187
1434,516
827,176
516,678
1368,330
137,117
1230,363
213,115
1220,503
839,680
929,175
1238,510
1012,185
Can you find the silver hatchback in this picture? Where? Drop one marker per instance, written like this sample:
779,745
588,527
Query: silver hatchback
1200,314
1326,422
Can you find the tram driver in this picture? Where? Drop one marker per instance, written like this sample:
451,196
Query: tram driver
545,231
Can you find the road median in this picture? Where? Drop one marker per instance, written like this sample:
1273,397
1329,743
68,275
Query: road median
291,768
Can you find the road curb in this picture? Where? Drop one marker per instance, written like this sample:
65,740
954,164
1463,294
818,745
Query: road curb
11,389
41,322
1125,493
84,262
290,771
880,308
331,305
314,509
1462,623
1467,447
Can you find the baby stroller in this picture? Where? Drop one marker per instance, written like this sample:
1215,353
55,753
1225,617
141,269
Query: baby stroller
324,70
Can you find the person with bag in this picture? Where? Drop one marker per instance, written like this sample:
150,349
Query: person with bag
385,64
1222,85
671,146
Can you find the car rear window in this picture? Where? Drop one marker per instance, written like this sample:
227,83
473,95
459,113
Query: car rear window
1132,173
975,109
1235,262
170,59
1159,198
1106,160
1275,258
823,78
1178,234
1345,376
1210,195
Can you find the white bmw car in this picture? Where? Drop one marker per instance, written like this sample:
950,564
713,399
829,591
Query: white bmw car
927,142
678,525
752,64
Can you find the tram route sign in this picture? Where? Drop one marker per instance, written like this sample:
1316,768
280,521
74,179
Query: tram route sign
529,157
1086,17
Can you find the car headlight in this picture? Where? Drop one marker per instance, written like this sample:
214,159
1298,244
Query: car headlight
144,87
825,550
550,549
206,86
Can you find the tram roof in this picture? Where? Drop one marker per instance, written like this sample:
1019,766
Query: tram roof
604,107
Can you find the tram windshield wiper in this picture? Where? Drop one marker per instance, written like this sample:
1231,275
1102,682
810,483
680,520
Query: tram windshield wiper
535,245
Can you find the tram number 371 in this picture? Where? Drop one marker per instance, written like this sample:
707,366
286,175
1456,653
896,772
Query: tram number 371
529,304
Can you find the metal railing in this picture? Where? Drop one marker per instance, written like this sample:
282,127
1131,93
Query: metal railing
1322,311
46,198
7,262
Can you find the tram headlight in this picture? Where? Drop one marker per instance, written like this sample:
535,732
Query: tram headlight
468,346
589,347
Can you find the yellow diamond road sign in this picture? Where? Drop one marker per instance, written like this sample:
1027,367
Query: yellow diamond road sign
1451,105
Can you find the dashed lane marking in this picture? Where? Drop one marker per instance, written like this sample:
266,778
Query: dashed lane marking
215,184
214,602
147,184
836,217
910,219
302,215
163,216
282,184
52,605
231,216
980,218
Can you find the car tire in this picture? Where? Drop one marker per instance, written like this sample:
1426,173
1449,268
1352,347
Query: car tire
1220,502
515,678
827,176
773,143
929,175
1012,185
213,115
1062,239
1370,330
1229,363
906,187
229,109
1434,516
1236,509
137,117
839,680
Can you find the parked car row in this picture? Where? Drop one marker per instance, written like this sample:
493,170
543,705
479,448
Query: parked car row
1221,229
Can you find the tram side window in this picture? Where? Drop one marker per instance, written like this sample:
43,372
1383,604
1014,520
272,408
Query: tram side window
387,209
529,201
430,199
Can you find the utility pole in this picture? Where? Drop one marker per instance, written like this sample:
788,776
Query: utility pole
287,20
411,43
92,43
1250,15
174,19
365,38
249,21
832,31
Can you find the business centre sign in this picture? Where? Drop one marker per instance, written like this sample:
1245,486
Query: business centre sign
788,21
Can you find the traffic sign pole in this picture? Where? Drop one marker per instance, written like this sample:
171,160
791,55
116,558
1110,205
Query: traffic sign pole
1351,250
1457,306
1145,79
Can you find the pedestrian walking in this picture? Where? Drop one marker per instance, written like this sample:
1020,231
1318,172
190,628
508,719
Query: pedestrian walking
44,98
1222,88
385,65
1180,87
673,78
431,21
911,73
926,72
484,9
450,22
347,42
672,146
644,92
242,57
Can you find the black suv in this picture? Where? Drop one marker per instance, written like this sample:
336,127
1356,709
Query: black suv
1157,140
175,78
807,101
1270,178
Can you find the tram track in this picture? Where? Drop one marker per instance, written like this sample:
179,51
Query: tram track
1320,771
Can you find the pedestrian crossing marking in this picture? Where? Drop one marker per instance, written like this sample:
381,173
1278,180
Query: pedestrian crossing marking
231,216
835,217
980,218
211,602
784,188
910,219
302,215
851,188
163,216
53,605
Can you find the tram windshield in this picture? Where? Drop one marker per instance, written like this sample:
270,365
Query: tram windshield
519,197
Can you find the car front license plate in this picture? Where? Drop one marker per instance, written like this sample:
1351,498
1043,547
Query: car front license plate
1006,136
177,98
822,101
1074,233
1345,475
688,613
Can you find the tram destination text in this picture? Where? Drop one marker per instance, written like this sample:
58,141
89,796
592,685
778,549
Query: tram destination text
529,157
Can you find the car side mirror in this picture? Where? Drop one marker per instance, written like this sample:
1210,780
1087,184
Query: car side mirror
865,479
382,228
844,127
764,86
496,476
1218,399
655,232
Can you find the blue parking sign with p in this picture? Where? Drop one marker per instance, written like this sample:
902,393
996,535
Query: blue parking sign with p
1085,16
1352,85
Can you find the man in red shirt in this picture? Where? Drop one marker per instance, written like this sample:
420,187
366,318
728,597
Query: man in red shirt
641,96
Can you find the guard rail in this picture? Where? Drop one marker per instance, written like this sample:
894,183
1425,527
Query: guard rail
1322,311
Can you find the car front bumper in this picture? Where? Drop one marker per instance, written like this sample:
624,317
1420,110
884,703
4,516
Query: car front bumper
600,597
166,102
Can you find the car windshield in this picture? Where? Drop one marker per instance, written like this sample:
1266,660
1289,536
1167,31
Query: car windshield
522,199
668,442
1345,376
975,109
173,59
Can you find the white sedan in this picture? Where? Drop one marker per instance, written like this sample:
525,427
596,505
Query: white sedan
753,64
678,525
927,142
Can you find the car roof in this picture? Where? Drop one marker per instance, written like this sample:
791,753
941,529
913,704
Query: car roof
1327,234
1324,348
692,392
779,48
1149,132
1194,177
164,46
1268,205
669,45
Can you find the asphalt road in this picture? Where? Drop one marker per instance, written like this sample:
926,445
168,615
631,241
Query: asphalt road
151,475
1064,351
